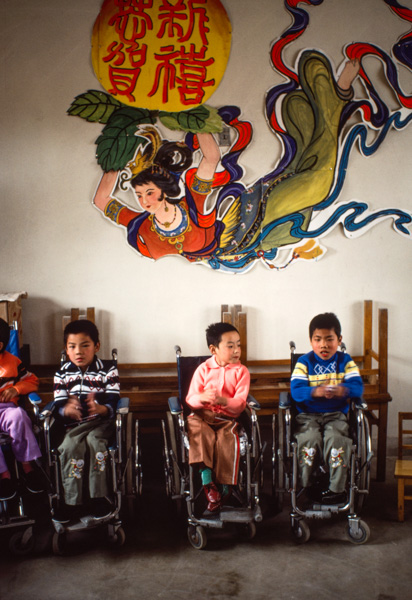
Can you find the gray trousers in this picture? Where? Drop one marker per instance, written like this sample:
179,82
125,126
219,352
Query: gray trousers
323,435
84,454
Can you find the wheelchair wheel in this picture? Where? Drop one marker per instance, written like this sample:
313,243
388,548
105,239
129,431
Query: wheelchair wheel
197,536
301,531
360,534
172,474
118,538
247,531
59,543
22,542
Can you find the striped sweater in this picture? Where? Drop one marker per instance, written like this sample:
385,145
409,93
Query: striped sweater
311,371
100,378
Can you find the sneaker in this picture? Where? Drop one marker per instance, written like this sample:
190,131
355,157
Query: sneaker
101,507
34,481
330,497
64,513
7,489
213,496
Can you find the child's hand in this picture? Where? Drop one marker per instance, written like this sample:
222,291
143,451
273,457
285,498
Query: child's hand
329,391
94,408
73,409
221,400
8,395
208,396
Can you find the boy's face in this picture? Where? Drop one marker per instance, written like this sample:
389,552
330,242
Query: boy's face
228,351
81,349
325,343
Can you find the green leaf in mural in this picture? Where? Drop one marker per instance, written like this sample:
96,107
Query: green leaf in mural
117,144
203,119
94,106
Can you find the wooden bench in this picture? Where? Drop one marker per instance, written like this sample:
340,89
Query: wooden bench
149,385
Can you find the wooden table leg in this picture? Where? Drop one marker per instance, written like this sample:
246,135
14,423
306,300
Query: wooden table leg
401,499
381,450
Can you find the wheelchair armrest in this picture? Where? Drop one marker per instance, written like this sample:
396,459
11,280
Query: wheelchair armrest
175,405
285,400
47,411
359,403
34,398
252,402
123,406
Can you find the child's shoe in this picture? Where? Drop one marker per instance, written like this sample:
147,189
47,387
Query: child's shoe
34,481
330,497
64,513
101,507
213,496
7,489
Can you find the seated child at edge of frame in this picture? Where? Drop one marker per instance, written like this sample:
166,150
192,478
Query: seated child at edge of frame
16,380
217,396
322,383
86,393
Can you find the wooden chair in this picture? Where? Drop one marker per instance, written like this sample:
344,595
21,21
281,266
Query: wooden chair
403,466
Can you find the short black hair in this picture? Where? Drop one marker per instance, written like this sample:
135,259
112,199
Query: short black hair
4,333
215,331
81,326
325,321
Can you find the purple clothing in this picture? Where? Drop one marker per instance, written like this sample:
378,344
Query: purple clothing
16,423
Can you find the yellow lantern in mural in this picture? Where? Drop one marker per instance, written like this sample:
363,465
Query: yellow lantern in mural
161,54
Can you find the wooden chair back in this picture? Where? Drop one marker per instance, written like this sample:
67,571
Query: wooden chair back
404,435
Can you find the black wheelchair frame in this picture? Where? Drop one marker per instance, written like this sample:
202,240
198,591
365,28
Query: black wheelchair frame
14,512
119,462
285,468
182,480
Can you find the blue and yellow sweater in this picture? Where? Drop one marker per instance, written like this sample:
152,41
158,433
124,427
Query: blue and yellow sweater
311,371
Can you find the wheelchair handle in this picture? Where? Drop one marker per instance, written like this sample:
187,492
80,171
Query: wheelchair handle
292,346
178,350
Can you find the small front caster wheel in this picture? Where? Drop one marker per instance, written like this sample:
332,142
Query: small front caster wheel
197,536
22,542
358,532
301,531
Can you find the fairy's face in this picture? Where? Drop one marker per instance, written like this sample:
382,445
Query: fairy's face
149,196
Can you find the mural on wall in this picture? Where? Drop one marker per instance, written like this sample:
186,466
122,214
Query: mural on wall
159,62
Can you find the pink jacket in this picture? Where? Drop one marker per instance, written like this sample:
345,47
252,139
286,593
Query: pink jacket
232,382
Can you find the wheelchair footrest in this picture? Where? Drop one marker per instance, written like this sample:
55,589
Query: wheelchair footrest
237,515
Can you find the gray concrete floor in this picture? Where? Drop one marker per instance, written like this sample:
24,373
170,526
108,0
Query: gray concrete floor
158,562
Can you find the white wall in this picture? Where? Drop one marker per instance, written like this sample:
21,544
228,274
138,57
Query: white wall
64,254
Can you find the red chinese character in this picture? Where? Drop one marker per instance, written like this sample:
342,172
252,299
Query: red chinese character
169,71
192,73
131,22
115,54
203,19
124,80
170,13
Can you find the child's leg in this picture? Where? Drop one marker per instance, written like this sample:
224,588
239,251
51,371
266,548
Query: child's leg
72,452
202,441
97,440
309,439
227,451
337,450
16,423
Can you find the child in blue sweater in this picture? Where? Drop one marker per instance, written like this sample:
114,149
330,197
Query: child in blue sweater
322,383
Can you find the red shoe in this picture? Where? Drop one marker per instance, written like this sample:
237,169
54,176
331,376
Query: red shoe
213,496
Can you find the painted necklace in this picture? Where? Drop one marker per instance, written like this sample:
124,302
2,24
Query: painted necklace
175,237
167,224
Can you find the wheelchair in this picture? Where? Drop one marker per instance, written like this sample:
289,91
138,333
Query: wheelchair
119,458
286,470
183,483
16,514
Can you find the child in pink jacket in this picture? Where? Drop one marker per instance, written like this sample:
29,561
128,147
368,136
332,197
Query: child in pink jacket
217,396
